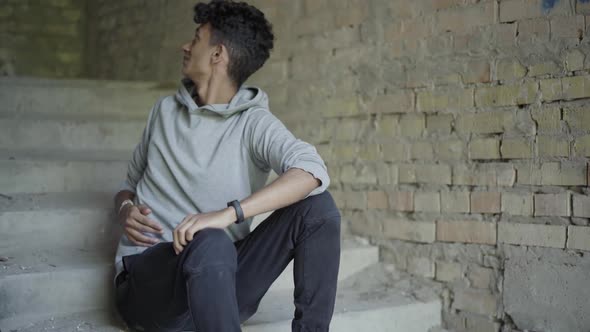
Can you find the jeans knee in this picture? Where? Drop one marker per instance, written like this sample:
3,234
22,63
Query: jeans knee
209,248
318,206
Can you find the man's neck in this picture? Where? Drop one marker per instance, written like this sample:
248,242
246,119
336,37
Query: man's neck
214,91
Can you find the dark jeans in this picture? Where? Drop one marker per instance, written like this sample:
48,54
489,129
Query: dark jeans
215,285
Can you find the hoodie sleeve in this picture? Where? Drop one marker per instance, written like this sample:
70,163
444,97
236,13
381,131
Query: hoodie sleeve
273,146
138,161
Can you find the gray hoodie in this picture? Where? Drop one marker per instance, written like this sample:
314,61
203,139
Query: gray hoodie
195,159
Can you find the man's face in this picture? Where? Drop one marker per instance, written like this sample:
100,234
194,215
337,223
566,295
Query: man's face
197,53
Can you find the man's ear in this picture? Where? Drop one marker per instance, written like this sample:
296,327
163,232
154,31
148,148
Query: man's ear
220,54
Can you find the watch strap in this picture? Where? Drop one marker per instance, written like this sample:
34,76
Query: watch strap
238,208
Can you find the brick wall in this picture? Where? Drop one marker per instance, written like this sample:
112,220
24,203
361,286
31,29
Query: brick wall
42,38
456,132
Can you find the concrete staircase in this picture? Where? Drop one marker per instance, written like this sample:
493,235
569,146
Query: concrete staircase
64,146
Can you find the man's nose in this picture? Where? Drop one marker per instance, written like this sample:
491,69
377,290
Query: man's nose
186,47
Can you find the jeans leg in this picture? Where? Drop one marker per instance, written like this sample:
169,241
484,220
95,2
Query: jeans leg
193,290
307,231
210,274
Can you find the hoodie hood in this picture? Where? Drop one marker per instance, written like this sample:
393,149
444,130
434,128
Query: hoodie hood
246,98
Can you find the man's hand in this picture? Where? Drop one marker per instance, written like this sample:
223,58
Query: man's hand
134,220
191,224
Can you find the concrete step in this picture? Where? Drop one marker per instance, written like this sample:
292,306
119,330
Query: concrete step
61,280
371,300
92,97
42,220
70,134
54,175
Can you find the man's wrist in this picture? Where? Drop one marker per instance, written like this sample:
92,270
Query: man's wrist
231,215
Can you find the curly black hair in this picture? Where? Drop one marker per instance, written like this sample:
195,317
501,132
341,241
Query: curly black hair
243,30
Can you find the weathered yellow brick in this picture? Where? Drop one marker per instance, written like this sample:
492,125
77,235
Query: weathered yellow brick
388,127
473,175
573,87
481,324
346,17
60,3
421,151
548,119
553,174
402,200
551,89
464,19
407,173
377,200
535,31
415,231
340,107
582,146
502,34
398,101
550,146
421,266
576,87
532,235
517,148
567,26
386,174
358,174
449,150
345,152
365,225
577,118
454,201
484,148
518,204
466,231
578,238
5,11
506,95
563,174
480,277
581,206
574,60
427,201
485,202
347,129
552,204
369,152
72,15
355,200
69,30
325,151
543,68
440,100
412,125
432,173
485,122
394,151
439,123
480,302
476,71
448,271
509,69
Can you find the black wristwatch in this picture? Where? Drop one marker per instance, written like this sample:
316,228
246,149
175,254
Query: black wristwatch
239,212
